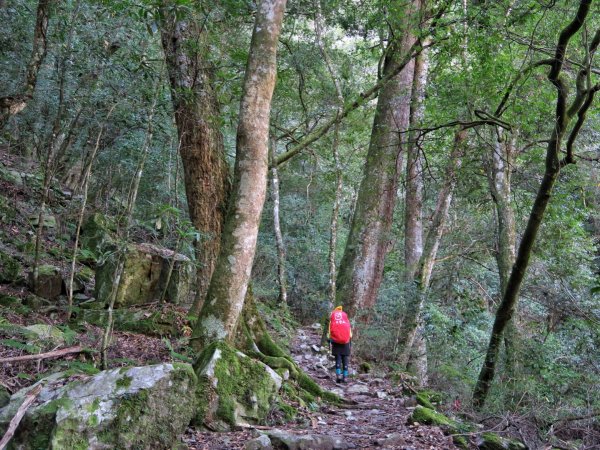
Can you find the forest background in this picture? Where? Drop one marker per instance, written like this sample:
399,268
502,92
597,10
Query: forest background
453,178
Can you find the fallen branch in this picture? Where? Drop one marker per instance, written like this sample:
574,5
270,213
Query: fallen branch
14,423
53,354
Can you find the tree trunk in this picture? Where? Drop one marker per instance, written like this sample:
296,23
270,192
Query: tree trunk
411,329
564,113
11,105
361,268
225,299
200,140
499,169
282,279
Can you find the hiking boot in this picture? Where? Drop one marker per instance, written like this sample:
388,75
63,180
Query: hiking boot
339,379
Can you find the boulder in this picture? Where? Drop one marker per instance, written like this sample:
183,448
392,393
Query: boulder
285,440
48,220
233,389
139,407
50,282
145,276
10,268
151,323
49,333
97,233
260,443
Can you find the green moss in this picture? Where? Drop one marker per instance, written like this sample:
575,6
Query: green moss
289,412
124,382
423,400
243,386
461,442
428,416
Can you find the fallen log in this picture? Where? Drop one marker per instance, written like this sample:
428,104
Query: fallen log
14,423
53,354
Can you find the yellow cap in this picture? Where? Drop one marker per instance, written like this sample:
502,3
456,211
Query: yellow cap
338,308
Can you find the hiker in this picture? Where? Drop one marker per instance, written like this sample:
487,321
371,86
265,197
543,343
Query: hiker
340,337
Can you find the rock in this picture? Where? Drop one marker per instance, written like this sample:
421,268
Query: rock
491,441
151,323
260,443
97,233
358,389
48,333
316,348
50,282
316,326
381,394
288,441
140,407
145,276
233,389
12,176
48,220
10,268
428,416
34,302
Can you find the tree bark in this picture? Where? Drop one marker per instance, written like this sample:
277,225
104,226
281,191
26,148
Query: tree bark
499,170
282,279
563,115
11,105
225,299
361,269
411,328
205,170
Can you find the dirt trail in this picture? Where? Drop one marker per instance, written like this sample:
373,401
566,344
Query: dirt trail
377,420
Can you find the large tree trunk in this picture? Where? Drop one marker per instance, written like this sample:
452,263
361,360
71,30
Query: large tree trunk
225,299
361,268
11,105
201,142
564,114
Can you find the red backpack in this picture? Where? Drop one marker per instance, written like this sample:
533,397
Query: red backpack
339,327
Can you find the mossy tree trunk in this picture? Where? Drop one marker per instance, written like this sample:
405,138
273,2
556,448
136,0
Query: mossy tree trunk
361,268
205,170
566,109
225,299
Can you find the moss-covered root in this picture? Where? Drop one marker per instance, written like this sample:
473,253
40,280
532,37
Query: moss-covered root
255,338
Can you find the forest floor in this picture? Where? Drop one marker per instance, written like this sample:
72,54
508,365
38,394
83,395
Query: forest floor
377,419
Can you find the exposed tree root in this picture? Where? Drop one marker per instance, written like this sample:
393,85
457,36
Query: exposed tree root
254,338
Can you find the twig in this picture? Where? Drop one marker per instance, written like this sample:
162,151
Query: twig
53,354
14,423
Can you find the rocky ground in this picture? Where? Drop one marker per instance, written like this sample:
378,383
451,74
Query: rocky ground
378,417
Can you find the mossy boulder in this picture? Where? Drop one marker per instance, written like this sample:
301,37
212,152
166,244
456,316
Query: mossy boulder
428,416
50,282
145,276
129,408
151,323
97,233
10,268
492,441
49,334
48,220
233,389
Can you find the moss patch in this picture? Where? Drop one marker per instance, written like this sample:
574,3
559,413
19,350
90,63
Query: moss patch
233,388
428,416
